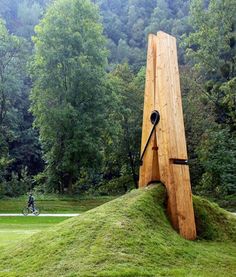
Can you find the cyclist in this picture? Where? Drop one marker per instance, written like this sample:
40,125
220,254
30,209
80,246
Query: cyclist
31,201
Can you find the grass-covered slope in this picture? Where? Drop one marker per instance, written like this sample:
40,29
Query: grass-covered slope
129,236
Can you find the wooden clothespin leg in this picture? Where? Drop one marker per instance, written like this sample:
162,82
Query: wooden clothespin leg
163,147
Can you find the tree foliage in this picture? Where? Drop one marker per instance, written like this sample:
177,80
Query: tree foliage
217,154
19,147
88,112
128,23
128,89
68,98
211,48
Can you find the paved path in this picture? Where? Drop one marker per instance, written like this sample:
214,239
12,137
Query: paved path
67,215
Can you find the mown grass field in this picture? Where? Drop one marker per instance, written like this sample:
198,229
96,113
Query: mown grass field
14,229
130,236
54,205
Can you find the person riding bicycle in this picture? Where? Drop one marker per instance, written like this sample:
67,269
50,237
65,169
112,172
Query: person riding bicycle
31,201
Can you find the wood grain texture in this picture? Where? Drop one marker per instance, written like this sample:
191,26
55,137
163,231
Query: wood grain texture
162,93
148,171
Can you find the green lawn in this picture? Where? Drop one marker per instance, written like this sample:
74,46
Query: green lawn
62,205
14,229
130,237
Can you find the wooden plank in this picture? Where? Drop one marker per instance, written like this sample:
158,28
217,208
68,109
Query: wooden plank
162,106
163,129
149,90
179,149
162,93
172,138
147,170
185,211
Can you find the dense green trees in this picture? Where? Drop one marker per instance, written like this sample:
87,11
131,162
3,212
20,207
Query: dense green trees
211,50
217,154
19,148
128,23
68,97
22,15
10,60
128,89
88,111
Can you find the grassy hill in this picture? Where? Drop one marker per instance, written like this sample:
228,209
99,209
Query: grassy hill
129,236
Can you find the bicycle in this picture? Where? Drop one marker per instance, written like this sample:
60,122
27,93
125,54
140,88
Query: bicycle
29,210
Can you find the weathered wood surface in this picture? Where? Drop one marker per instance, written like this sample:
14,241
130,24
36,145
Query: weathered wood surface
162,93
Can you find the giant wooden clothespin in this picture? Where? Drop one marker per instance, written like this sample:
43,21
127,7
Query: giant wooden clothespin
164,153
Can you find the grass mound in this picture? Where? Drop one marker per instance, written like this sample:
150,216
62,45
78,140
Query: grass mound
129,236
213,223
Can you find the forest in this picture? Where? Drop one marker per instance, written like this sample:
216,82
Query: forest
72,76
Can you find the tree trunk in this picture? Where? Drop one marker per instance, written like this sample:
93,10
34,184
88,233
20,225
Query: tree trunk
132,166
70,184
